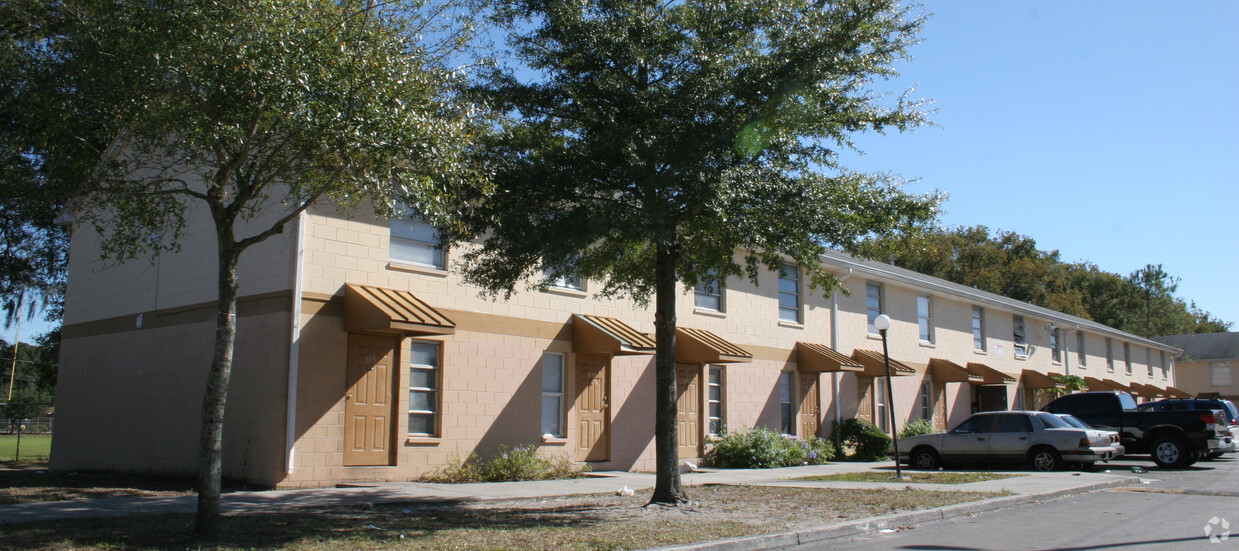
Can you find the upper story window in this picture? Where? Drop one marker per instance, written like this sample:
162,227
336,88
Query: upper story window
978,328
789,294
1148,354
1056,354
1109,355
709,295
1127,357
873,304
1017,335
415,242
576,283
925,317
1165,366
1081,356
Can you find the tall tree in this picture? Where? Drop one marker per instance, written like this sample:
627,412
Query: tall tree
656,139
32,247
252,111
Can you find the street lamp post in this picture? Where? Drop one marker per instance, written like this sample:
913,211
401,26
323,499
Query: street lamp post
882,323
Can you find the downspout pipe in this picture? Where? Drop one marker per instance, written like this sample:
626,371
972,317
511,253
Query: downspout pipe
834,343
294,346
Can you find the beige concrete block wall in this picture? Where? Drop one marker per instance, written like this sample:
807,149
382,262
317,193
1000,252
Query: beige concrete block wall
1194,377
131,400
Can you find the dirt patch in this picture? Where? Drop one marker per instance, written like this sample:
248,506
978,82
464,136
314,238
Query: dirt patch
34,483
581,522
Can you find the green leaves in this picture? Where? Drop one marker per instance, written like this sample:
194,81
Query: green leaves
700,126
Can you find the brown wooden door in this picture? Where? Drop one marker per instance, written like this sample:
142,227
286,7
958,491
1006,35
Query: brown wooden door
864,391
810,404
593,408
688,408
368,404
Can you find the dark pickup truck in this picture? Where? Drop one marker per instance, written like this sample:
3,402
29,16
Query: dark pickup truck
1173,438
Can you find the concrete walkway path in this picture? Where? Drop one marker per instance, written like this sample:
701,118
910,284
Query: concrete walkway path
1029,486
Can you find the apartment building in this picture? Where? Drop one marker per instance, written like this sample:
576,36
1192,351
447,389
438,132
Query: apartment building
1209,366
361,355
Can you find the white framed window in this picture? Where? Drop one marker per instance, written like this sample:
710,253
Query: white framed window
714,400
789,294
873,304
787,417
1056,352
575,283
926,401
978,328
1165,366
1081,356
1019,338
925,317
1109,355
709,296
552,395
424,370
1219,373
1127,357
1148,356
880,413
415,242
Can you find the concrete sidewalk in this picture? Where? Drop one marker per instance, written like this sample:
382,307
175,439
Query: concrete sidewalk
1030,486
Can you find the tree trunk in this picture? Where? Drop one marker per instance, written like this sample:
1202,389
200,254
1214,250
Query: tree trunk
210,452
667,488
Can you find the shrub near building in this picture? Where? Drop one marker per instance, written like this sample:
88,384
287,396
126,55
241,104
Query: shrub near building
762,448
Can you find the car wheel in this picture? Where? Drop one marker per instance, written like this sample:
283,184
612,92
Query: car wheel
1045,459
1170,452
925,459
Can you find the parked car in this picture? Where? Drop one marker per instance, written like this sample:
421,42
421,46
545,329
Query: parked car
1226,406
1174,439
1039,439
1077,423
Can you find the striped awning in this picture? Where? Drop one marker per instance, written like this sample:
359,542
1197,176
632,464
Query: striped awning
875,365
818,358
602,335
1032,378
1147,391
1099,384
368,308
947,371
1174,392
701,346
1117,385
989,375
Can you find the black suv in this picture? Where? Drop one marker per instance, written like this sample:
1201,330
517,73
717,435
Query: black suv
1181,404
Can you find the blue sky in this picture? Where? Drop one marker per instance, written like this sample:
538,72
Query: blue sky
1104,130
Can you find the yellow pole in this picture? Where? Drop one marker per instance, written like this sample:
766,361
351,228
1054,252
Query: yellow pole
13,370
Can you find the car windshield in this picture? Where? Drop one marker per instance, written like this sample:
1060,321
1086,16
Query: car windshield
1052,421
1071,420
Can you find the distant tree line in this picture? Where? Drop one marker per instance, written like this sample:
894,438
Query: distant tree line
32,376
1010,264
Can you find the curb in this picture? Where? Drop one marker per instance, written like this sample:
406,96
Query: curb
793,538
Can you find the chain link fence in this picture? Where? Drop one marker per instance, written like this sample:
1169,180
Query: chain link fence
26,439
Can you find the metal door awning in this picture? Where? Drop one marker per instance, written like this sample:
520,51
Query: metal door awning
874,366
818,358
989,375
947,371
602,335
368,308
701,346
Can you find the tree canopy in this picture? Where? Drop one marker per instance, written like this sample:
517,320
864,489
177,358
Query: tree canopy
249,110
1009,264
650,141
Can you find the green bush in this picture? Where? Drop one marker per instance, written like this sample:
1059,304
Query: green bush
759,448
868,441
916,428
509,465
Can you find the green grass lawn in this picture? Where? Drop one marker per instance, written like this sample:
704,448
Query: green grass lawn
33,447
